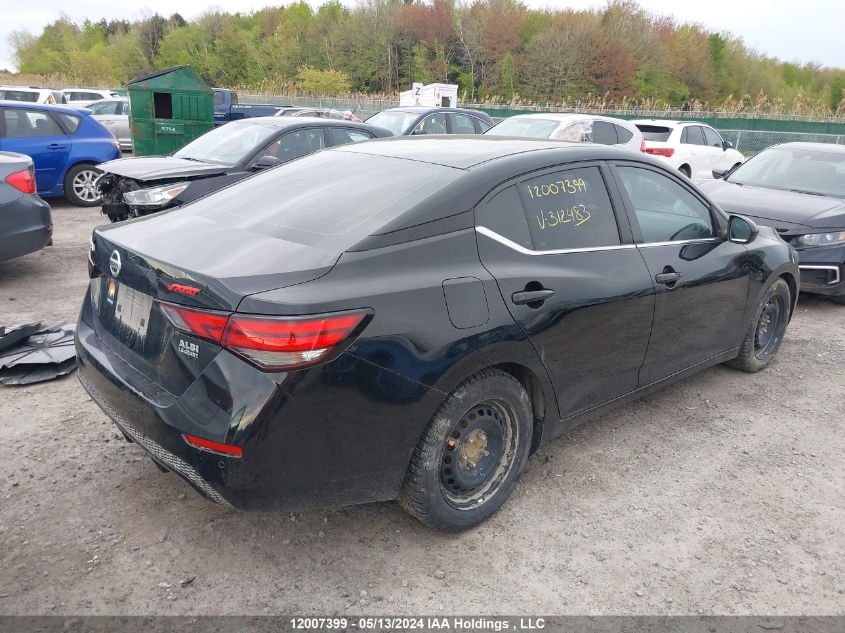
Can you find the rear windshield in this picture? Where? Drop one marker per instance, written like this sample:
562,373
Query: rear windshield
18,95
328,200
655,132
524,126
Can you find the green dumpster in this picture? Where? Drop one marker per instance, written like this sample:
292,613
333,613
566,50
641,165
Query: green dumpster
169,108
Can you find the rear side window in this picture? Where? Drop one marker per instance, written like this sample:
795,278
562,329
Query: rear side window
504,215
693,135
569,209
655,132
432,124
604,133
623,134
327,200
19,95
69,121
106,107
342,136
462,124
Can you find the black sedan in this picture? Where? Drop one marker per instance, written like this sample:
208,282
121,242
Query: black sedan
799,189
416,120
139,186
416,317
25,222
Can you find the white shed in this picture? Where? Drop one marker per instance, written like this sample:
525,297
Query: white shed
431,96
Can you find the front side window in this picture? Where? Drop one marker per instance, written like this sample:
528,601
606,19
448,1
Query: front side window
432,124
29,124
665,211
711,137
295,144
397,121
569,209
580,131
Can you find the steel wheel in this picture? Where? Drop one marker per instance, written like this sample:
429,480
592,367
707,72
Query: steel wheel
768,326
477,453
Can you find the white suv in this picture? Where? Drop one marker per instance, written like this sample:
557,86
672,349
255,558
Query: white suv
78,96
693,148
31,94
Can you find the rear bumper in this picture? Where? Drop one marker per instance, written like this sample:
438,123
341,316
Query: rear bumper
331,435
25,227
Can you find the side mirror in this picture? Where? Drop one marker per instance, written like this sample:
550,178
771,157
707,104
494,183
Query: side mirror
266,161
726,145
718,174
741,230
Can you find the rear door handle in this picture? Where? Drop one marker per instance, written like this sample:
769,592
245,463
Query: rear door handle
55,146
531,296
667,278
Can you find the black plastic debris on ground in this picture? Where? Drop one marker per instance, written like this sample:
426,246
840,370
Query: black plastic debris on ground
15,334
43,354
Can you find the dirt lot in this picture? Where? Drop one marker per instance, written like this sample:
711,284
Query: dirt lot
722,495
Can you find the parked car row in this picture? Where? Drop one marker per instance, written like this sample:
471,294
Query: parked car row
73,96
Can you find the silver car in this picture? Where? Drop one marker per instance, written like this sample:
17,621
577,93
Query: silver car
114,115
588,128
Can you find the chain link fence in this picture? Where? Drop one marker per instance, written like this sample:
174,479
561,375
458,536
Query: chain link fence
751,142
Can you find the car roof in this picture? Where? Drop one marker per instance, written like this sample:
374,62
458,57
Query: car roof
830,148
471,150
427,109
302,121
69,109
567,116
666,122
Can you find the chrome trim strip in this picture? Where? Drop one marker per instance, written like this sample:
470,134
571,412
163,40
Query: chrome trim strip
835,269
561,251
704,240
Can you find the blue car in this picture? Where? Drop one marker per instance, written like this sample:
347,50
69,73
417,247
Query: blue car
65,143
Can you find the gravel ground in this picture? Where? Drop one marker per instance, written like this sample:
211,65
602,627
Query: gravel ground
724,494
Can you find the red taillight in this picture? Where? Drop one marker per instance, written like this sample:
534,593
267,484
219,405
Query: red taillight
272,343
207,325
214,447
660,151
642,146
23,181
183,289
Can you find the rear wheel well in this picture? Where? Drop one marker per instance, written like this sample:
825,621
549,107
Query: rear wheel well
534,388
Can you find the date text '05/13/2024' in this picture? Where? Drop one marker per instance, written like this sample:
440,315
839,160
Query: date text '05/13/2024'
387,623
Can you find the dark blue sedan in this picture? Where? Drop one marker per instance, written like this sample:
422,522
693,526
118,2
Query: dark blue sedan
65,143
417,120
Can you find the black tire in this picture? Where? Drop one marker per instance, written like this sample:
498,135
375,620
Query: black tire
79,186
837,299
685,170
490,410
765,333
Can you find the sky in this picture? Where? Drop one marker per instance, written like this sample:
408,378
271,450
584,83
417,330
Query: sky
804,31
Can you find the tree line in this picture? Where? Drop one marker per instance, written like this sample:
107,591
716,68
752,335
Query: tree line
496,50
